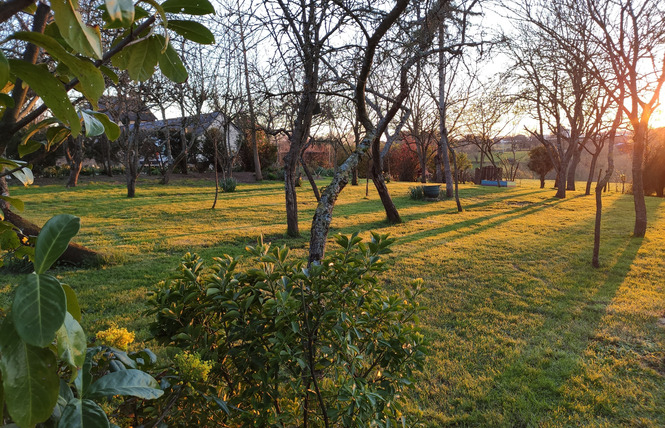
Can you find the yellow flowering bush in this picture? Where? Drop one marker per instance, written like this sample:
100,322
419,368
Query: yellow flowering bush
191,367
116,337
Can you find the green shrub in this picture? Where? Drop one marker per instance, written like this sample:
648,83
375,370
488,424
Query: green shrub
229,185
416,193
287,343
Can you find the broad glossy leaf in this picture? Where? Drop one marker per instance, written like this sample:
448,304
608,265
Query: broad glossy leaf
142,59
93,127
72,302
83,414
5,102
92,82
111,129
193,31
50,90
54,239
79,36
71,342
121,11
83,377
55,135
29,378
9,240
16,202
109,73
171,65
191,7
4,70
30,146
39,309
126,382
36,127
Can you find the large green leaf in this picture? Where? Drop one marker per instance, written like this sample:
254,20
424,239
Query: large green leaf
72,302
39,309
28,147
83,414
143,58
111,129
93,127
126,382
171,65
50,90
80,37
4,70
92,82
54,239
29,378
193,31
16,202
121,12
191,7
71,342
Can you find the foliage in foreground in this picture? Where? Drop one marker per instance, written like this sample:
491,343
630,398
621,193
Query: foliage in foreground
48,374
279,343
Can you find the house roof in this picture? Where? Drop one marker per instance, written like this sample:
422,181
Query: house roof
195,124
125,109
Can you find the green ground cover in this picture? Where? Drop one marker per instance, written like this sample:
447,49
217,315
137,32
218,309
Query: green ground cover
523,331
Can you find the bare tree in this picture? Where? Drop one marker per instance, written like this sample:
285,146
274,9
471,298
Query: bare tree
631,35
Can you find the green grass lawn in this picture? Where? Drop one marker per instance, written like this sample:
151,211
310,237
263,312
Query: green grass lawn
523,331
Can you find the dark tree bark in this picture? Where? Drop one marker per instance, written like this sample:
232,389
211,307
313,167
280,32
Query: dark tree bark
601,184
74,155
592,169
442,147
323,214
572,168
250,105
75,253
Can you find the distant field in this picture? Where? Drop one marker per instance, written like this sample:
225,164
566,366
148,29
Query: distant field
523,331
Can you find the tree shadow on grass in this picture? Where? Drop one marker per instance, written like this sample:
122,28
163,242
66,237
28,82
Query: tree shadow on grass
528,384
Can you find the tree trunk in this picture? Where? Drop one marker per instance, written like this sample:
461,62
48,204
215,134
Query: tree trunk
422,155
443,142
457,201
638,184
388,204
74,154
75,254
592,169
290,178
561,182
572,169
542,181
315,189
131,186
